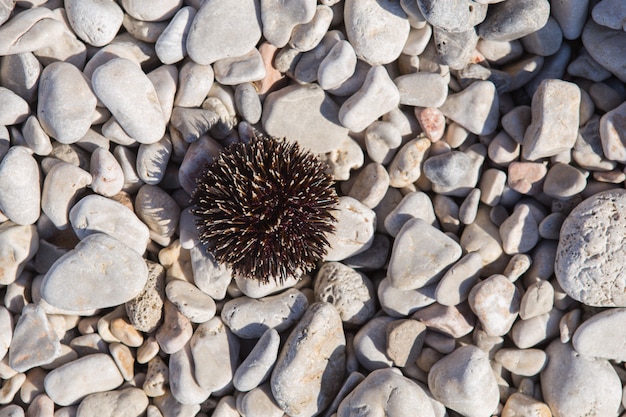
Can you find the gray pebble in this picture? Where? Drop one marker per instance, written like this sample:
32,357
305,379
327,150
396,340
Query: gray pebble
425,242
455,48
70,383
152,160
159,212
464,382
453,321
248,102
514,19
306,114
20,74
498,52
447,212
197,306
524,362
279,18
94,22
370,185
405,339
126,402
35,137
354,229
537,300
142,30
453,16
571,16
167,406
34,341
171,45
127,92
387,392
349,291
553,68
377,96
29,30
221,30
456,284
249,318
60,189
610,13
447,169
587,67
182,381
422,89
610,125
519,232
106,173
306,36
97,214
14,109
255,289
111,274
564,181
195,81
338,66
400,303
413,205
257,366
319,331
575,384
496,303
535,330
550,226
241,69
370,344
307,67
388,30
19,186
259,402
215,350
145,10
209,276
475,108
128,161
546,41
381,140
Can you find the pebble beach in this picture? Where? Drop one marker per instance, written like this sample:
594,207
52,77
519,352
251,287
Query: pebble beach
478,150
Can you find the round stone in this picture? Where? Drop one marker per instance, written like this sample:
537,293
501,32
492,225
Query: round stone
589,261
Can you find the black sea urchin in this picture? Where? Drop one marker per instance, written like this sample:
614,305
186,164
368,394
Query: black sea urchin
264,208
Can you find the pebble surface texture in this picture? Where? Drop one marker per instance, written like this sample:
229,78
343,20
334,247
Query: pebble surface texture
478,151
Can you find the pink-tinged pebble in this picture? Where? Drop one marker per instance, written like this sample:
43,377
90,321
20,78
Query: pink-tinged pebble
432,122
526,177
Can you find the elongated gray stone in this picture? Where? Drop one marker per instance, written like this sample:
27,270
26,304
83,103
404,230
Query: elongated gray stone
97,214
129,95
20,196
99,272
257,366
305,383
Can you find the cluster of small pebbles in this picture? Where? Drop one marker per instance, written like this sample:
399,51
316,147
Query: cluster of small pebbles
477,268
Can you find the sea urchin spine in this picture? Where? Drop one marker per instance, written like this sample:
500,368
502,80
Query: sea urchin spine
264,208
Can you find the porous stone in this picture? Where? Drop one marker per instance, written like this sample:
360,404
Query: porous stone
590,231
145,309
127,92
378,30
109,272
463,381
574,384
221,29
20,194
296,381
432,251
70,383
349,291
249,318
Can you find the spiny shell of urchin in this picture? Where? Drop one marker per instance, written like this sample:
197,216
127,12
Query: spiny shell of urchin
264,208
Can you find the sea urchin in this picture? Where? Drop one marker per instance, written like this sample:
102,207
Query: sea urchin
263,208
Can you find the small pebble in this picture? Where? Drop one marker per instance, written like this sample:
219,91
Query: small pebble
454,321
610,136
381,140
20,194
456,284
175,331
611,40
171,45
249,318
338,66
475,108
257,366
370,344
519,404
422,89
124,402
70,383
182,381
34,341
496,302
354,229
399,303
279,19
259,402
427,243
454,17
463,381
526,177
519,232
432,122
513,20
531,332
413,205
405,339
307,36
370,185
589,339
197,306
321,328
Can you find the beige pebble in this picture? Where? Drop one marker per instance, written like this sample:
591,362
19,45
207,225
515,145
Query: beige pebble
124,360
175,331
157,377
125,332
148,350
520,405
404,341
